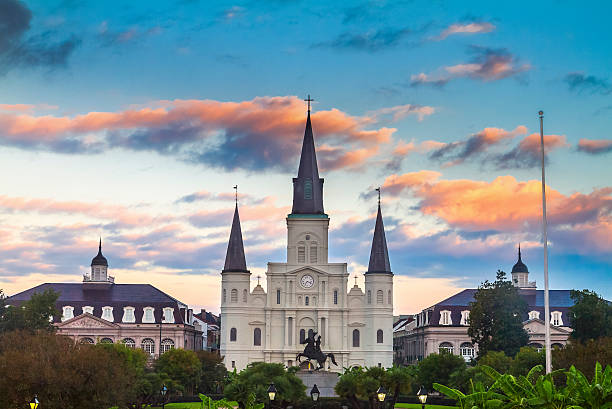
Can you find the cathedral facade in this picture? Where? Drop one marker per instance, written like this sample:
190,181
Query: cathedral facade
307,294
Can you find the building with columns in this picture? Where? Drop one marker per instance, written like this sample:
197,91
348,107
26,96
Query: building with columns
307,293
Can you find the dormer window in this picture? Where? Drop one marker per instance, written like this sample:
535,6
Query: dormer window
107,314
67,312
128,315
465,317
148,316
169,315
556,318
445,318
88,310
534,315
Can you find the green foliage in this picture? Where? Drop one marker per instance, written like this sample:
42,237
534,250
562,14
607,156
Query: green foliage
182,367
209,403
583,356
525,359
256,378
32,315
399,379
213,372
357,384
496,317
496,360
590,316
439,368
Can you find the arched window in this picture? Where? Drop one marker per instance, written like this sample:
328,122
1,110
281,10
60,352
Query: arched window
556,346
467,351
538,347
234,295
148,345
379,297
306,300
335,297
166,345
302,335
313,253
389,297
257,337
356,338
379,336
245,295
233,335
129,342
369,297
86,340
278,295
301,254
106,340
445,347
224,295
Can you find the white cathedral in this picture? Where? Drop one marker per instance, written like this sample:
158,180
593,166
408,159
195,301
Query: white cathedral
307,294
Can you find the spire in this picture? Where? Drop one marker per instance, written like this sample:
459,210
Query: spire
379,256
520,267
99,259
308,187
234,259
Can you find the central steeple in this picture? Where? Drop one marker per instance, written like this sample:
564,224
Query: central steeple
307,186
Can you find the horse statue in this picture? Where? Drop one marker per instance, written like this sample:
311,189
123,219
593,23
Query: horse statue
312,351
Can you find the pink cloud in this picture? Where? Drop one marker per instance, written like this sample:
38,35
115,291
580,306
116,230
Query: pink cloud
470,28
595,146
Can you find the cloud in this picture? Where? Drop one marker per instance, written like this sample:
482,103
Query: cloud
403,149
528,152
487,64
259,134
402,111
17,49
580,82
466,28
370,41
595,146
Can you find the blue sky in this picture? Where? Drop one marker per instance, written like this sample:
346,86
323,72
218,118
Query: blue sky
133,120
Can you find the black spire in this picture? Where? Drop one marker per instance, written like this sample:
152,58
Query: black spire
379,256
234,259
519,267
308,187
99,259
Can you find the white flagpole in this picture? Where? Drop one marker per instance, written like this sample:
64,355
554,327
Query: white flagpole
545,239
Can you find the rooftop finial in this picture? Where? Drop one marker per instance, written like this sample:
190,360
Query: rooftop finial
519,250
309,100
258,277
355,280
378,190
100,246
236,194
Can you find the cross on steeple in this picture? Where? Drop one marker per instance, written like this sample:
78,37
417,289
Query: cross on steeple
309,100
258,277
378,190
236,193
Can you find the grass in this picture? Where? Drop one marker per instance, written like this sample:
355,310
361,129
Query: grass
196,405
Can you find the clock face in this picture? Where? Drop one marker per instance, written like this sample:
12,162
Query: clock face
307,281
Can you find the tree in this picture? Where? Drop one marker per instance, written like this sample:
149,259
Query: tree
256,378
213,372
496,317
358,383
183,369
496,360
399,379
590,316
525,359
583,356
31,315
439,368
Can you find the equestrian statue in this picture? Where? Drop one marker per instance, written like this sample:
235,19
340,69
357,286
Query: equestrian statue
312,351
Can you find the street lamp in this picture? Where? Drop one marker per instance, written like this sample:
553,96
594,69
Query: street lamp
34,402
314,393
422,394
163,391
271,392
381,393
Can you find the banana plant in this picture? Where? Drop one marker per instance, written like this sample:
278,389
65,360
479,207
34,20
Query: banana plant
594,395
208,403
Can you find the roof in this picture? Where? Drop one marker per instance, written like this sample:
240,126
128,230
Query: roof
99,259
308,187
207,317
534,298
234,258
379,255
519,267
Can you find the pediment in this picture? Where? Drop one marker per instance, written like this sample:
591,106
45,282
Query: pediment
303,269
537,326
87,320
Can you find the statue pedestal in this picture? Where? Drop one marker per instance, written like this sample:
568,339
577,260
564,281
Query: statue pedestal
326,381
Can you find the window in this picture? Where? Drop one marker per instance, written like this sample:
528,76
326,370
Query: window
556,318
107,314
379,297
335,297
148,345
129,342
355,338
445,347
128,315
233,364
313,254
147,315
86,340
233,335
445,318
379,336
67,312
369,297
166,345
302,335
465,317
88,309
257,337
106,341
234,295
224,295
278,294
538,347
245,295
534,315
467,351
308,189
390,297
306,300
301,254
169,315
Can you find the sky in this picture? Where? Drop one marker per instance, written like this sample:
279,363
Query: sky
133,120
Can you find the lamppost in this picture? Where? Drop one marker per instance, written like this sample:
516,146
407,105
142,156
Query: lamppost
381,393
422,394
271,393
163,391
314,394
34,402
